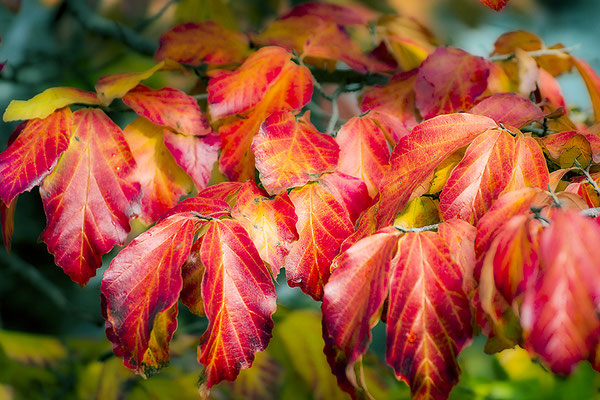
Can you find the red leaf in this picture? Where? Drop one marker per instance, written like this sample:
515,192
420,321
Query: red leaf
364,153
418,154
224,191
508,109
592,82
239,299
449,80
559,313
168,107
477,181
354,295
429,319
530,168
270,223
322,226
460,239
495,4
195,155
350,192
290,153
557,143
266,83
34,152
205,43
144,280
88,198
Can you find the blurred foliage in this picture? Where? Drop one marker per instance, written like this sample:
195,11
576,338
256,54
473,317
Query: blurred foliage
52,343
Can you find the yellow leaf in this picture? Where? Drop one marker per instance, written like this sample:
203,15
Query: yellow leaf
419,212
114,86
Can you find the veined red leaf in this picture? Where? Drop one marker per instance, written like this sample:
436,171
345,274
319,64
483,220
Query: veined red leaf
393,105
195,155
563,146
34,153
239,299
495,4
267,82
163,182
114,86
168,107
350,192
529,168
204,43
270,223
224,191
354,295
428,319
449,80
144,280
192,273
417,155
364,152
201,204
477,181
352,14
508,109
7,222
592,82
550,90
47,102
460,238
290,152
89,198
559,312
322,226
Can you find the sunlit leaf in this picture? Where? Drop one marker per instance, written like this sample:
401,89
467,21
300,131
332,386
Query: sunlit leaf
349,191
419,212
34,153
509,41
529,168
89,198
113,86
508,109
239,299
592,82
45,103
168,107
449,80
460,239
430,323
566,147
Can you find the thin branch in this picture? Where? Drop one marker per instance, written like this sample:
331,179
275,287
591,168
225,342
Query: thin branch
591,212
536,53
105,27
589,178
433,227
335,113
555,199
201,96
150,20
201,216
348,77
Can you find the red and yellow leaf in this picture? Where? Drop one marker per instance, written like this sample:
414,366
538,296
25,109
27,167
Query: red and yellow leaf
270,223
33,153
168,107
163,182
290,152
267,82
429,319
592,82
449,80
143,281
89,197
354,295
529,168
495,4
195,155
417,155
322,226
364,153
460,239
205,43
559,312
350,192
45,103
114,86
508,109
239,299
421,211
477,181
565,147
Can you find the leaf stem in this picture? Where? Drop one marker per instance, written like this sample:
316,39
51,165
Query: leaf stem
425,228
589,178
201,216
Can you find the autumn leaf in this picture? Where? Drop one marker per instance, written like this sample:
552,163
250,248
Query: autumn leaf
47,102
430,323
449,80
168,107
89,198
592,82
163,182
508,109
322,226
417,155
290,153
419,212
349,191
460,239
477,181
204,43
267,82
224,191
239,299
33,153
495,4
195,155
559,312
270,223
192,272
364,153
529,168
566,147
144,281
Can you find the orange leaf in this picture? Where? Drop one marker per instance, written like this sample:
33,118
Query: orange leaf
508,42
529,169
592,82
114,86
290,153
88,198
168,107
205,43
495,4
565,147
508,109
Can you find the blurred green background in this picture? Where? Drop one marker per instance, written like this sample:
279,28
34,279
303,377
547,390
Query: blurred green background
52,343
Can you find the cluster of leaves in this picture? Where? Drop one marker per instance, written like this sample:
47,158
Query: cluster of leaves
458,201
